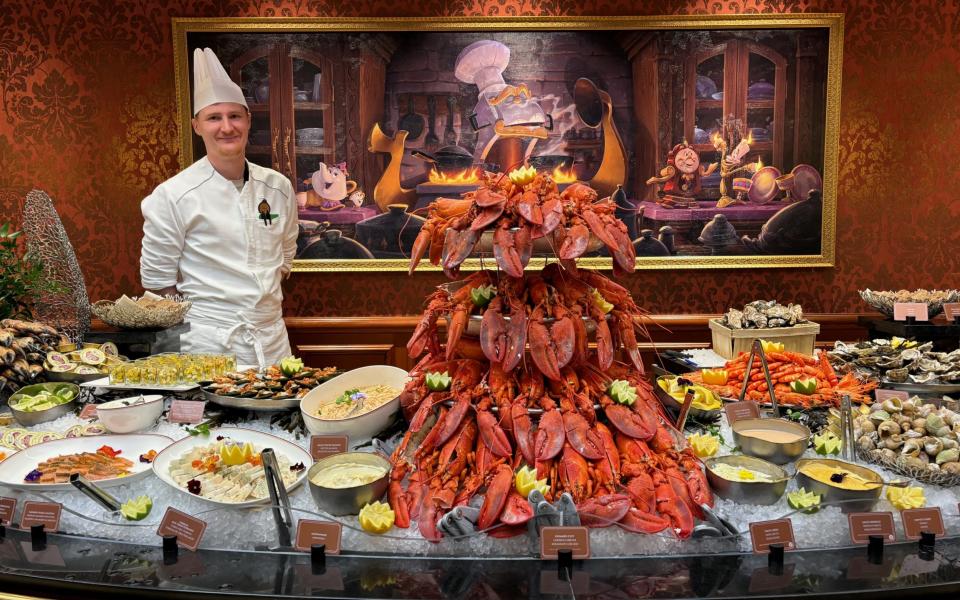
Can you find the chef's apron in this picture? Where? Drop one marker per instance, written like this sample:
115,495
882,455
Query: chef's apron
253,341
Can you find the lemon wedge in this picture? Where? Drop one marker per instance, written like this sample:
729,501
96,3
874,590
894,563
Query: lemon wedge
235,454
704,445
908,497
771,346
523,175
526,481
376,517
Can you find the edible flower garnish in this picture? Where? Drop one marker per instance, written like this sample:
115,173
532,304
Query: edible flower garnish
350,396
208,464
148,457
297,467
621,391
193,486
32,476
108,451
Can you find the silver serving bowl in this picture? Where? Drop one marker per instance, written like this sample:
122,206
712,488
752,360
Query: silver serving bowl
29,418
748,492
348,501
853,500
780,453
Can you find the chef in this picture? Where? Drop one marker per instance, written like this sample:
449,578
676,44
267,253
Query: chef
223,232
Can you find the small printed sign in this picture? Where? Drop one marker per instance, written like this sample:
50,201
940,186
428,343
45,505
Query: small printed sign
865,524
917,310
189,530
882,395
7,507
552,584
322,446
762,580
951,310
311,532
41,513
764,534
554,539
917,520
188,412
748,409
89,412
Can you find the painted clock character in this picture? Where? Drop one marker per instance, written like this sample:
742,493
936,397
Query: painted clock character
681,178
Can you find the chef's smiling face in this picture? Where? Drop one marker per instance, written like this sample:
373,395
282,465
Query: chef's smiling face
224,127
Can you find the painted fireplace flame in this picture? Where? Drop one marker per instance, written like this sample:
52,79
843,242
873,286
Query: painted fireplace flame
465,176
561,175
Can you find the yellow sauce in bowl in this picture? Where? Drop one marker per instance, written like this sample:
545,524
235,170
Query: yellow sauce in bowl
734,473
776,436
347,475
848,479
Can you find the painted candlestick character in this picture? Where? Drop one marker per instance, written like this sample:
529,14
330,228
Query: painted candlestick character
681,178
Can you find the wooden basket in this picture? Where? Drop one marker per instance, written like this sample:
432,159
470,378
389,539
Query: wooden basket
728,343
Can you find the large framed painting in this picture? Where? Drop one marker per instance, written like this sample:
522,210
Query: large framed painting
716,136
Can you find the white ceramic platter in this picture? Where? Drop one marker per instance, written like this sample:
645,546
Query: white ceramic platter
16,466
104,383
294,454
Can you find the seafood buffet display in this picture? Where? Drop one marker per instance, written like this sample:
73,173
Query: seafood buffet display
272,384
934,299
23,349
761,314
899,361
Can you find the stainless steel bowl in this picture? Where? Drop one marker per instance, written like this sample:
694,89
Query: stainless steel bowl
748,492
780,453
853,500
30,418
348,501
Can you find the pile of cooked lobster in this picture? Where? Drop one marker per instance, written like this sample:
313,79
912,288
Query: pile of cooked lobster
529,390
519,213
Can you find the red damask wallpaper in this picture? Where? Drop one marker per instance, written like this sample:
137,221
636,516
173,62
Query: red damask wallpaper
87,113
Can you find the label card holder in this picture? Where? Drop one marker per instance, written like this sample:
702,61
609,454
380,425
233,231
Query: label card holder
764,534
917,520
916,310
882,395
865,524
322,446
41,513
951,310
188,529
188,412
8,506
310,532
554,539
747,409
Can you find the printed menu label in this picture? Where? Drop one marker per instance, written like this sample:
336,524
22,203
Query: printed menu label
882,395
917,310
748,409
318,532
917,520
322,446
41,513
951,310
764,534
7,507
189,530
554,539
186,411
865,524
89,412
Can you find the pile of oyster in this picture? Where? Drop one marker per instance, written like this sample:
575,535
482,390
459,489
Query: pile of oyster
898,361
764,313
910,436
934,299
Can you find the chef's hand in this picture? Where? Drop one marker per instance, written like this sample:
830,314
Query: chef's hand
167,291
285,273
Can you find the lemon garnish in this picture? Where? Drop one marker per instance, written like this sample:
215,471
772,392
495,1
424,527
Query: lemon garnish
235,454
704,445
908,497
376,517
525,481
523,175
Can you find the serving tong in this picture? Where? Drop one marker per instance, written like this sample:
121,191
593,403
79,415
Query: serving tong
756,349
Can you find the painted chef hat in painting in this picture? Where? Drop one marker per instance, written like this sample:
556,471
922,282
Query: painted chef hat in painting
483,63
211,84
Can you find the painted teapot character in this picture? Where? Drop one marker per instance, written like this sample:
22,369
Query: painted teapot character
682,175
331,186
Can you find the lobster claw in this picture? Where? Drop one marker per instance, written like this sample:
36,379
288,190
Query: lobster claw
586,441
574,243
493,435
638,425
505,252
496,497
493,333
604,511
516,339
550,436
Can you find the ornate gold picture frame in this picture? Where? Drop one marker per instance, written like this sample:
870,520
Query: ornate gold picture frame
722,131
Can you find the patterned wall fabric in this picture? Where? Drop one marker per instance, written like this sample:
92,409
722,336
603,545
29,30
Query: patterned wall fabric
87,113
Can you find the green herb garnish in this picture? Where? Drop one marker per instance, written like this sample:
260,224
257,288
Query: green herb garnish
201,429
349,396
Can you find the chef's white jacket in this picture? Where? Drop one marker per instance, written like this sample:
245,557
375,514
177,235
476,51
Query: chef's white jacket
208,239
